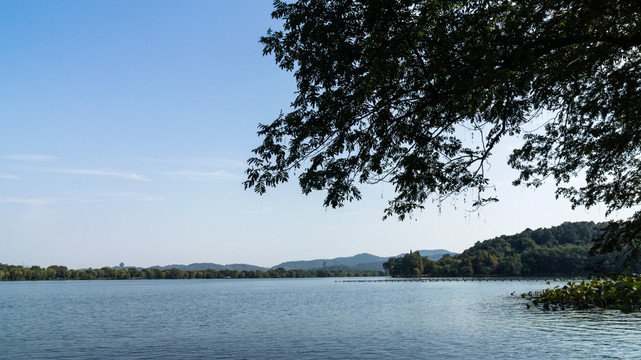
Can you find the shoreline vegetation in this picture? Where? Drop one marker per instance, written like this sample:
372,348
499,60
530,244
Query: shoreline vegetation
622,293
55,272
561,252
557,252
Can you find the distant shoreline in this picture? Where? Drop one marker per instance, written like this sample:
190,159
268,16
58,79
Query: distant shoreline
55,272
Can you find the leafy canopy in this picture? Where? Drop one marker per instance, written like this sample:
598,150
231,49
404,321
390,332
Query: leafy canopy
386,88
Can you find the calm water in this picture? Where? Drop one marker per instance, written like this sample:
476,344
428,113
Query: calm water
299,318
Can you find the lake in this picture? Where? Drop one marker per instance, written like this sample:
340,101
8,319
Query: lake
300,319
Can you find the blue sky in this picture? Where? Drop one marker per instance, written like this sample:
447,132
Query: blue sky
124,131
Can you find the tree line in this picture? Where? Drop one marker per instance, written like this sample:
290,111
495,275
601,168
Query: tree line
56,272
558,251
563,250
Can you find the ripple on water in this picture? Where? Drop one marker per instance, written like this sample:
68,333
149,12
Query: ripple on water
299,319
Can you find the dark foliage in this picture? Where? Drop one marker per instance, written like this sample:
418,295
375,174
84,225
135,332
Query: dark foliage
558,251
621,293
54,272
390,90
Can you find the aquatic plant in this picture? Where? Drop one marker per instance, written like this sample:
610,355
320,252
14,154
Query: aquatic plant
621,293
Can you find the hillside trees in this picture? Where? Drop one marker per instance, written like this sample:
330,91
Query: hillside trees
390,91
557,251
410,265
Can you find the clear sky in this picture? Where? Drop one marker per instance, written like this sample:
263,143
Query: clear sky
124,131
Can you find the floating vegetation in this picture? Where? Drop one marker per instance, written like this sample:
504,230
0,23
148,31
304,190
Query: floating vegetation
621,293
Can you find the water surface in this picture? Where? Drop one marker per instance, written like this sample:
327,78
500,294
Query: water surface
299,318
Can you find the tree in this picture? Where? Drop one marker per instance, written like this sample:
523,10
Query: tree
175,273
484,263
121,274
510,265
392,266
390,91
412,264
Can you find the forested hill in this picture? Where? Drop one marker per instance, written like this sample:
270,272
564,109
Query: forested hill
360,262
559,250
207,266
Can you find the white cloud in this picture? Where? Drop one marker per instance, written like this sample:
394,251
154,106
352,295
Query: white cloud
218,175
30,157
26,201
105,172
218,163
126,196
90,198
9,177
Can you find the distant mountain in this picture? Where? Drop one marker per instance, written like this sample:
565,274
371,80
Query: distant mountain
360,262
205,266
435,255
248,267
324,263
